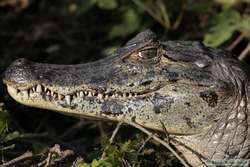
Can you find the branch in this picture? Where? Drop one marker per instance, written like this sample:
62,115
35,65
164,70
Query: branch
158,11
22,157
245,52
158,140
112,138
236,42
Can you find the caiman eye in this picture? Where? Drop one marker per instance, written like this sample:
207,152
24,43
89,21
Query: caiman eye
148,54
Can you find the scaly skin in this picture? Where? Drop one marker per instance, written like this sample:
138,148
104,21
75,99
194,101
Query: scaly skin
198,94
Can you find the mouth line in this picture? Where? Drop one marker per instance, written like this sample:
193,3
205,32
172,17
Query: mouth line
83,94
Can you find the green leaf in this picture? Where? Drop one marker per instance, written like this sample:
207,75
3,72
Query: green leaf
227,3
3,122
106,4
129,25
244,26
101,163
83,6
83,165
11,136
224,25
125,147
10,147
215,39
97,163
201,7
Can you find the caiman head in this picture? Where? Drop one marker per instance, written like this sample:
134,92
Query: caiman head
191,91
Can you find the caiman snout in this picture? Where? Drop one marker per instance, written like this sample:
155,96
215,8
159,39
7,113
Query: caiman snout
20,73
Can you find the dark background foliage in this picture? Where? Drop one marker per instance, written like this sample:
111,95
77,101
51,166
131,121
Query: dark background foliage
78,31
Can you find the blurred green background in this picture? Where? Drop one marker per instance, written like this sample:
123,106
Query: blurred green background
78,31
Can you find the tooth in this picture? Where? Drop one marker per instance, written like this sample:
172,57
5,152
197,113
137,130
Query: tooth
116,95
45,89
77,94
62,97
130,95
39,88
25,94
67,97
124,94
86,93
89,94
48,93
30,90
81,94
59,96
99,96
113,96
34,89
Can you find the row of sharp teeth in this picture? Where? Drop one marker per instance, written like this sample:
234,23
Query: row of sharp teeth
81,94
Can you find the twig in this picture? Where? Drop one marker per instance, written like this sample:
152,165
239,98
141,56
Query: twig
7,147
245,52
48,159
62,143
158,140
165,22
112,137
115,132
73,128
33,135
55,150
2,149
65,154
144,143
22,157
236,41
166,132
179,18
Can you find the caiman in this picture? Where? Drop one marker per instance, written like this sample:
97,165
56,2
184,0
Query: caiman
198,95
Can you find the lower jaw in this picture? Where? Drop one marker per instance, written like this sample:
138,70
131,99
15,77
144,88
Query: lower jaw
80,107
92,113
38,101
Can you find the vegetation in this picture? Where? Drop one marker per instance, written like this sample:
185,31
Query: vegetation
71,32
